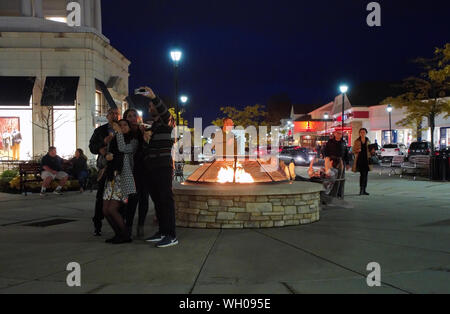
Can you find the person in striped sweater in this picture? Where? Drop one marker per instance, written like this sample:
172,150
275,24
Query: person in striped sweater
158,162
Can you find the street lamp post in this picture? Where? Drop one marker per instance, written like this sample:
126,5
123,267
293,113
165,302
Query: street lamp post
184,99
344,90
326,116
389,109
176,57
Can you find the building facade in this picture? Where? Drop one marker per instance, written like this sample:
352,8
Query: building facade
309,129
56,81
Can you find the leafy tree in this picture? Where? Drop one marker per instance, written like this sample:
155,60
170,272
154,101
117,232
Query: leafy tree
423,96
250,115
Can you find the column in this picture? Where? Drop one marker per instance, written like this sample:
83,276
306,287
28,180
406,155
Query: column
38,8
87,9
25,8
98,15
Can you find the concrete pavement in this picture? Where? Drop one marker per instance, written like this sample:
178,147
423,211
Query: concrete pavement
404,226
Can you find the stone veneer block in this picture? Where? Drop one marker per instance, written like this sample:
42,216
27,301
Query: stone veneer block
255,206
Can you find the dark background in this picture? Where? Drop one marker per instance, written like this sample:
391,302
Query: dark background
242,52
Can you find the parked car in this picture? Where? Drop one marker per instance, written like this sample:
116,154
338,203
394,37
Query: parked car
300,156
390,150
419,148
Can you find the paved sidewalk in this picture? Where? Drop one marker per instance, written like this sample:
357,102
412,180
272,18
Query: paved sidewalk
404,226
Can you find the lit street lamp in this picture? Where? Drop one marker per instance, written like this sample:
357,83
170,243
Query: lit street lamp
389,109
344,90
176,57
184,99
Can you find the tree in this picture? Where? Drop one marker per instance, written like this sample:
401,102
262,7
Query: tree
46,119
250,115
423,96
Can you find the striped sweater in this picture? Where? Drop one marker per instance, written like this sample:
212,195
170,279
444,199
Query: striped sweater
158,152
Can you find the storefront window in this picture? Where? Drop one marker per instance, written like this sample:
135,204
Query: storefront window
65,127
16,133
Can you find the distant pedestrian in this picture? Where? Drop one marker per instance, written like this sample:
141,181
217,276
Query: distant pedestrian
362,159
337,148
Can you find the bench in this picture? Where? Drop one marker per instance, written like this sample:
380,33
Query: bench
416,165
31,172
396,163
26,170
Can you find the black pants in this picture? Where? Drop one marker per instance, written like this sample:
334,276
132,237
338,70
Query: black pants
363,178
140,198
159,185
98,216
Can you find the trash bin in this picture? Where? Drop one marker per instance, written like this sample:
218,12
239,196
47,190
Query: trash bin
434,168
440,166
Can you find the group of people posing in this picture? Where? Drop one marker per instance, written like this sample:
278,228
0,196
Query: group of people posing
135,162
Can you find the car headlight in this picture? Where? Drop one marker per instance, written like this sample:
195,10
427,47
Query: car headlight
300,159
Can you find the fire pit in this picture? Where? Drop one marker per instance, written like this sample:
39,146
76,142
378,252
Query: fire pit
244,194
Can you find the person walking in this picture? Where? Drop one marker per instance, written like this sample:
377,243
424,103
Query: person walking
120,183
337,148
101,138
139,200
80,169
158,162
362,157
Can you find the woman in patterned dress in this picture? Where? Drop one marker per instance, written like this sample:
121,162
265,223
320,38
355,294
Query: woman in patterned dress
119,181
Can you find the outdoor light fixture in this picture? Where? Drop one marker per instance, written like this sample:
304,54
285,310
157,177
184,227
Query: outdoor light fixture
343,89
139,113
389,109
184,99
176,55
326,116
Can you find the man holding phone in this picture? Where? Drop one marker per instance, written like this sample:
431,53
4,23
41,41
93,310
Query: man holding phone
158,163
102,136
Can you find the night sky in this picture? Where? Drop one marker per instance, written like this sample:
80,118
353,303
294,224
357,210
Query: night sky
241,52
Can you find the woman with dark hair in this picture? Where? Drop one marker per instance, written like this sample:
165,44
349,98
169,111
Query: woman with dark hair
362,157
120,185
80,168
142,196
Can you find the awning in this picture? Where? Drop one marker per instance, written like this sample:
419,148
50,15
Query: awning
60,91
102,87
16,90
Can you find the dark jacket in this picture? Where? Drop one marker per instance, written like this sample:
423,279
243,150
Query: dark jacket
337,149
97,140
78,165
117,163
158,152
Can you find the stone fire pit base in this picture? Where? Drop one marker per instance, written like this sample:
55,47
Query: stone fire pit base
246,206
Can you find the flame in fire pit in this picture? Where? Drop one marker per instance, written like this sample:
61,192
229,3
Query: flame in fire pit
228,175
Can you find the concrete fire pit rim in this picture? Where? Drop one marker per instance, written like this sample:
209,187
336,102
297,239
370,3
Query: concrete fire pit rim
293,188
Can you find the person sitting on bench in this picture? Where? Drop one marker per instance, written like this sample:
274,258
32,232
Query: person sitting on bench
51,170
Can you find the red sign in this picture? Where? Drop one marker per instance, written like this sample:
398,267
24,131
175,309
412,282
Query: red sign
305,127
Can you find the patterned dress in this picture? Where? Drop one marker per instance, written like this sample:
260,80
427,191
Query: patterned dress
123,185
